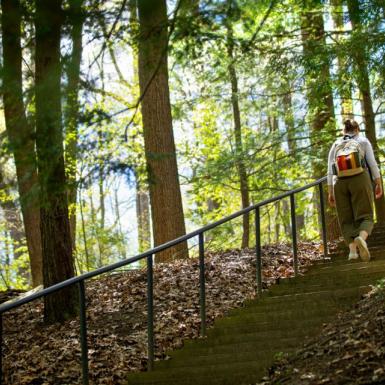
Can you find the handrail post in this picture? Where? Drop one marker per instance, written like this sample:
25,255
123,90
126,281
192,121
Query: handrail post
150,310
323,220
202,284
294,233
258,251
83,332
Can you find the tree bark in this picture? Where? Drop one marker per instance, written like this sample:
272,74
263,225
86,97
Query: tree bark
143,216
72,109
21,133
319,94
142,196
343,85
85,243
243,180
58,264
362,77
165,196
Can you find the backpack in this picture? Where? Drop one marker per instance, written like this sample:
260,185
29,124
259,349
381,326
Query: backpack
349,157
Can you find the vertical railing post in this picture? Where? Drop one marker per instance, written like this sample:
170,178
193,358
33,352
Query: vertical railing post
258,251
202,284
294,233
323,220
83,332
150,310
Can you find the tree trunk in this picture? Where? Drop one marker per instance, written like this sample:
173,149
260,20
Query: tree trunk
165,195
289,120
362,77
85,243
142,198
319,94
143,217
102,198
344,86
238,137
58,264
21,133
122,245
277,225
72,109
286,217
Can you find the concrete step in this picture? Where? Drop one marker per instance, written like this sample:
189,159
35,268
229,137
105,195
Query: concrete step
259,354
260,335
288,312
240,373
235,327
261,341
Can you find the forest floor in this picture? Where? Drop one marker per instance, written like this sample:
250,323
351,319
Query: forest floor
37,354
350,351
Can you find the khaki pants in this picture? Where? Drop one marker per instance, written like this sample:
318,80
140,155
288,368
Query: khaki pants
354,203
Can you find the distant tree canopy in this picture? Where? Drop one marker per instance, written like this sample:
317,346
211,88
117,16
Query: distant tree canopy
127,122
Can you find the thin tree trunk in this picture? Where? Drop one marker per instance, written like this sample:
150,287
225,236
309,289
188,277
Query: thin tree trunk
277,225
21,133
122,247
102,197
165,196
95,227
143,216
58,264
72,109
286,217
289,121
363,82
291,134
238,137
86,252
344,86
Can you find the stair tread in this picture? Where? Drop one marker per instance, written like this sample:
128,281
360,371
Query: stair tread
239,347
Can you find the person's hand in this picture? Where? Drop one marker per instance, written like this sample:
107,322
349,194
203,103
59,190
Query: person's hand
332,200
378,190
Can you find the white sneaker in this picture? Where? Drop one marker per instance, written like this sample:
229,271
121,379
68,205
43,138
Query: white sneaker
352,256
363,248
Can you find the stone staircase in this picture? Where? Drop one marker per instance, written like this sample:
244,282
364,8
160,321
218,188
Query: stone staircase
240,347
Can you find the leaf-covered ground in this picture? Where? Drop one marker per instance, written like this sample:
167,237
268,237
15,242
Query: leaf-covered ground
350,351
36,354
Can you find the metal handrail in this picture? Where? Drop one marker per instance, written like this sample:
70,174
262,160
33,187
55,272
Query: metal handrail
149,254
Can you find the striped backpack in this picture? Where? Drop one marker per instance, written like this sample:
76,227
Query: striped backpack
349,157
